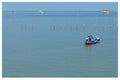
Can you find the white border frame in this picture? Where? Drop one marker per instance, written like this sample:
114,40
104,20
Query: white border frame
97,78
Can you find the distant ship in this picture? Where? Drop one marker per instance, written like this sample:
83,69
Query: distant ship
41,12
106,11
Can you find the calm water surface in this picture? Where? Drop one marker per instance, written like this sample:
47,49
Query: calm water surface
52,44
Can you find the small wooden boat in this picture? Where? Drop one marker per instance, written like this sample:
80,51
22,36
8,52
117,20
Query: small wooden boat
94,41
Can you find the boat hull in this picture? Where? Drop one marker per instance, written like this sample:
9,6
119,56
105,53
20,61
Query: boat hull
96,41
88,42
92,42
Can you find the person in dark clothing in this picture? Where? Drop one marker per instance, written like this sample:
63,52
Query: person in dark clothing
90,37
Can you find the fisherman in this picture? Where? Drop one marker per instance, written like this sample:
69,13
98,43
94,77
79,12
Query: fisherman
86,39
90,38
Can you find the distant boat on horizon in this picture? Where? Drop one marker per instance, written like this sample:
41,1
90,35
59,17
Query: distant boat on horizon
105,11
41,12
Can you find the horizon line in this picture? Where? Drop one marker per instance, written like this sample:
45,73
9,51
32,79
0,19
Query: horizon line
57,10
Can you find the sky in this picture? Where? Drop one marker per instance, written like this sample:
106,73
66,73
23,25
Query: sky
59,6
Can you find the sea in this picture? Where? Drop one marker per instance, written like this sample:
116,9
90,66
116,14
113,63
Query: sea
52,44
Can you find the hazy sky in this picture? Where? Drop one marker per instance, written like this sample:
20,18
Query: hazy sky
59,6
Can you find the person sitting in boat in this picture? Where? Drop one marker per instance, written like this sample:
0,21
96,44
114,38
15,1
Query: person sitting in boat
86,39
90,38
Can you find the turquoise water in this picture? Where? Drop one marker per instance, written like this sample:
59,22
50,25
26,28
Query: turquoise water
52,44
